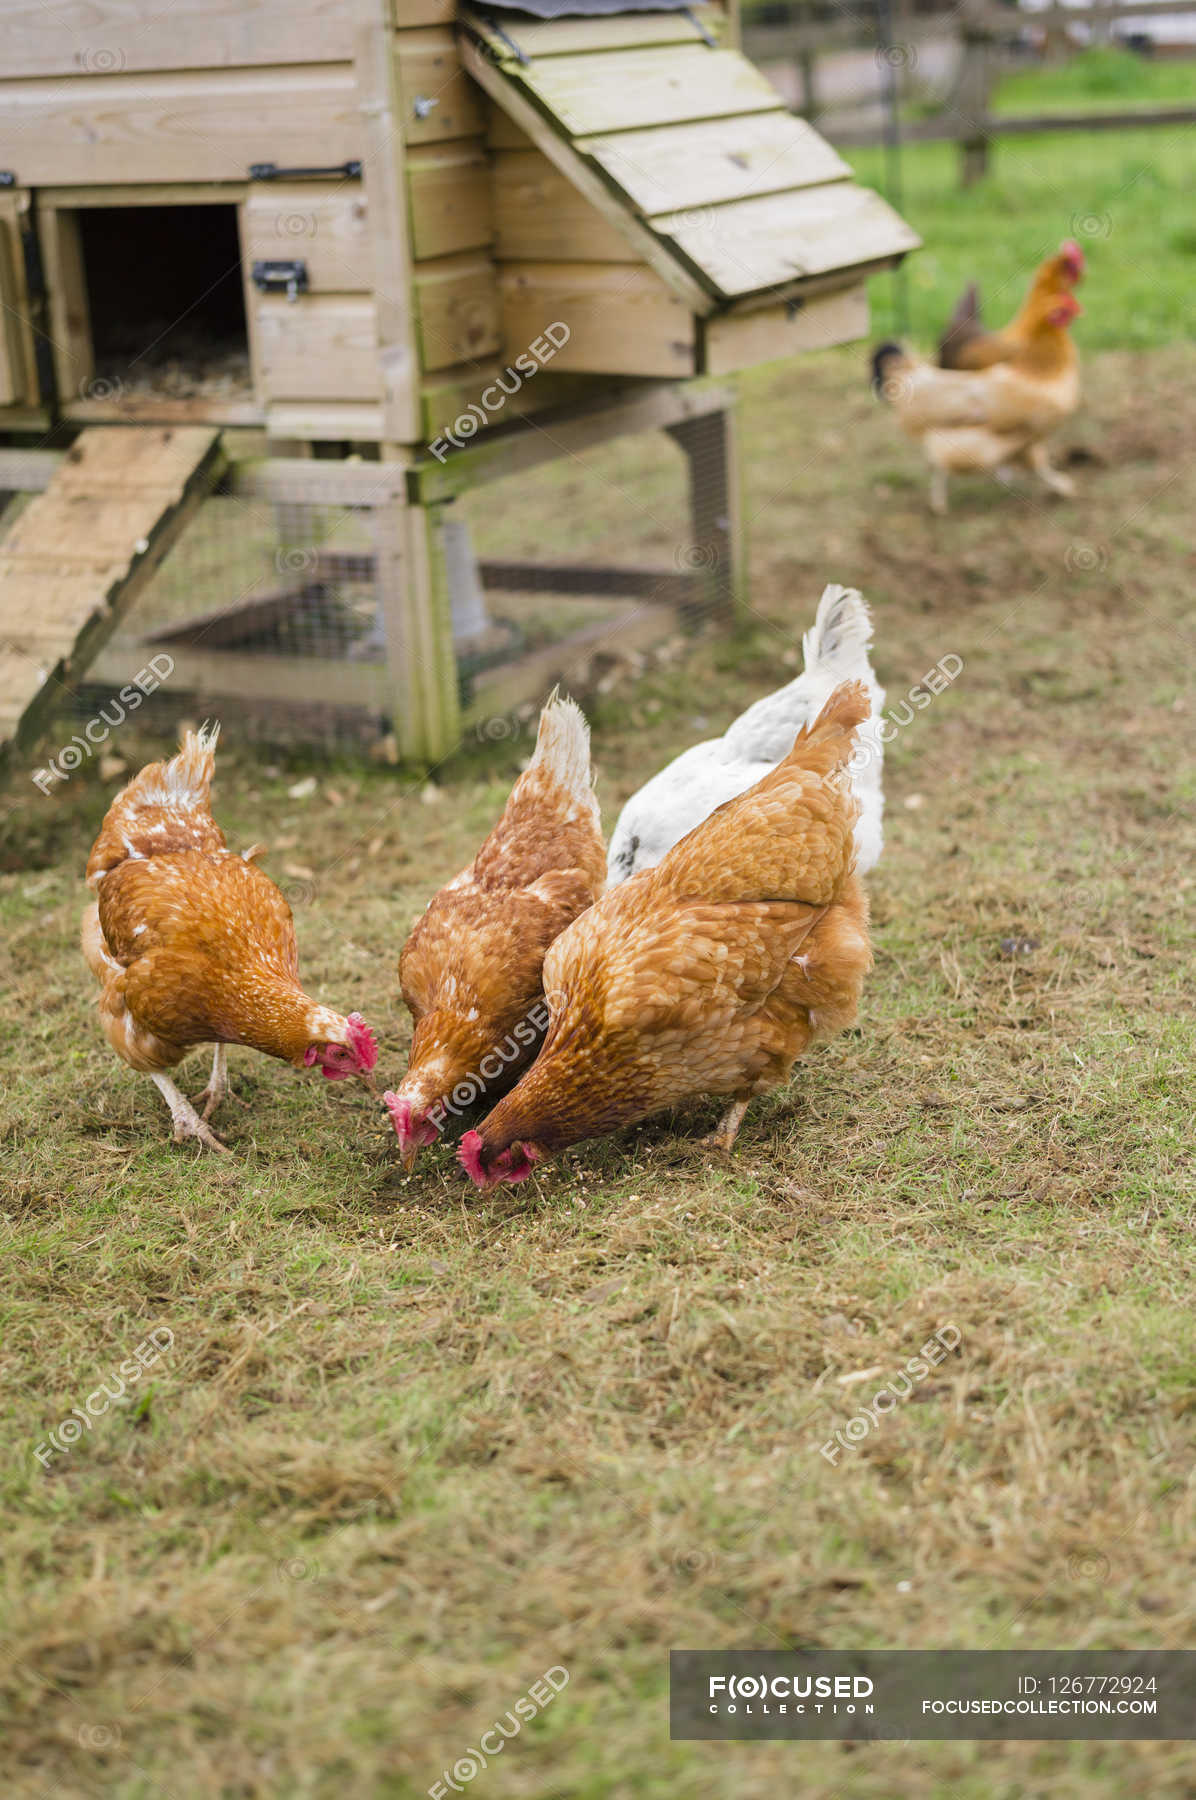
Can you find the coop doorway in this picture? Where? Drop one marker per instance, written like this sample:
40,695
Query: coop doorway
159,322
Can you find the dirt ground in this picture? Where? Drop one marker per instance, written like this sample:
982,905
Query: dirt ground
408,1447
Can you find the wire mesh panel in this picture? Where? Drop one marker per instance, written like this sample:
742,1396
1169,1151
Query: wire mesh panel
272,606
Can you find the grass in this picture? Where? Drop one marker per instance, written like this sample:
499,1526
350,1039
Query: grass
1121,194
1098,77
411,1447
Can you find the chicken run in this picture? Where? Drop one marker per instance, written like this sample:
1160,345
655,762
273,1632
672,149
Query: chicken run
281,513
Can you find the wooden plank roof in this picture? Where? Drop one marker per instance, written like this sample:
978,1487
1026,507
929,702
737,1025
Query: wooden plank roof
687,150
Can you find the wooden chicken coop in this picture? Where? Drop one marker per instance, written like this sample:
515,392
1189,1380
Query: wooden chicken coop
385,251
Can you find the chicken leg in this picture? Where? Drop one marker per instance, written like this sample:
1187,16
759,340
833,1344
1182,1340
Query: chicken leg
187,1122
218,1088
1036,458
723,1137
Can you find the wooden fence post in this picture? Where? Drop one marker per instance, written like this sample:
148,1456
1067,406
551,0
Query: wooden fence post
973,92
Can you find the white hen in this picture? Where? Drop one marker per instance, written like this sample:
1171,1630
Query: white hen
690,788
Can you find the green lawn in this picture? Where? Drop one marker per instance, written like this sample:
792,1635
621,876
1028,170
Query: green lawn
1100,77
1125,196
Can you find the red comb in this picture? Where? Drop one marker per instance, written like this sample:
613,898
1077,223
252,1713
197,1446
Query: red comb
469,1155
363,1041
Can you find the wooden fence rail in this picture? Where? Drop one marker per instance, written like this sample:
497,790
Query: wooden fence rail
986,34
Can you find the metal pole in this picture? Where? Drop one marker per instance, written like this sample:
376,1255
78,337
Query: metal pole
889,59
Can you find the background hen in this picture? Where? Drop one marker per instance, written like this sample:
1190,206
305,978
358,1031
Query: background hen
192,944
471,969
994,417
709,974
687,791
966,344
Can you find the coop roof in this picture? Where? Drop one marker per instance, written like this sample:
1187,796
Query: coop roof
685,148
585,9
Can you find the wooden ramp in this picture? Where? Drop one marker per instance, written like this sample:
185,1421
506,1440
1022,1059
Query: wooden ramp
82,551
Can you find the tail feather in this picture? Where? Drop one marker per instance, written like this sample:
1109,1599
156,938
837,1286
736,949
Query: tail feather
883,357
164,809
964,325
186,780
838,641
563,745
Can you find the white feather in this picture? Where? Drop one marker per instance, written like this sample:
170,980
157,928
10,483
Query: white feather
689,789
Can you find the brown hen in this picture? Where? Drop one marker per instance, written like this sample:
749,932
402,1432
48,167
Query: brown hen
708,974
471,970
192,944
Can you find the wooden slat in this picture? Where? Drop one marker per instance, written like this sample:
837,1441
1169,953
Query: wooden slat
634,88
593,186
732,342
430,70
622,319
385,178
568,37
281,680
666,170
206,126
321,347
107,36
539,215
18,369
326,224
763,243
450,202
448,393
307,482
357,421
83,550
502,133
158,409
457,311
66,288
610,413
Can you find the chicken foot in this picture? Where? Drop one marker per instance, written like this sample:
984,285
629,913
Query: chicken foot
938,491
1035,457
723,1137
187,1122
218,1088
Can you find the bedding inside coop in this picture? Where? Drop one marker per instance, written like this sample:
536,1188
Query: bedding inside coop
166,303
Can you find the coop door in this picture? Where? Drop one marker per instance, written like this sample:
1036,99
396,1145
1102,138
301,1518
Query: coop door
309,263
18,366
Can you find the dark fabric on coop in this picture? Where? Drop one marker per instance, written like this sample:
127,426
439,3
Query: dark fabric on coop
583,9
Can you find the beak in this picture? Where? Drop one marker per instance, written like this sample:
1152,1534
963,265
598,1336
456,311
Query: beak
407,1156
369,1083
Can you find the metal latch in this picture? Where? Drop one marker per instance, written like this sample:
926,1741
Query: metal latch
349,171
290,277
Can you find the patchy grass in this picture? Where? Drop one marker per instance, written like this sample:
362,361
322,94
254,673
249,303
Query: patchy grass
1121,194
411,1447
